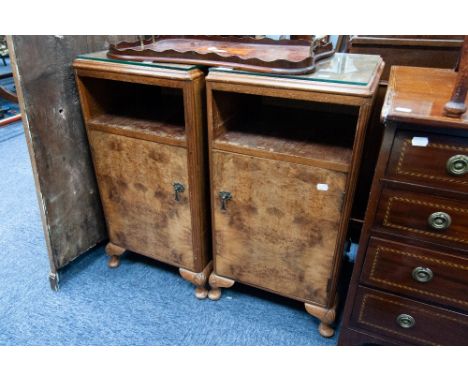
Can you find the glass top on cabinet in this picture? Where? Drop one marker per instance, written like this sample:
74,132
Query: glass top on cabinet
102,56
341,68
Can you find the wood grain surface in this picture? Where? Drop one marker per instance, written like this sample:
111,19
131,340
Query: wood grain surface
417,50
411,50
278,232
407,213
136,184
246,53
377,312
427,163
411,183
275,128
288,152
162,110
413,98
66,187
389,265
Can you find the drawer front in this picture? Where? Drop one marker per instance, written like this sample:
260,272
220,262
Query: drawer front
424,216
430,159
417,272
408,320
277,231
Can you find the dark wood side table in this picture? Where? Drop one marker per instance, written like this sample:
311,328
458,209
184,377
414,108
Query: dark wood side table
410,282
145,125
284,154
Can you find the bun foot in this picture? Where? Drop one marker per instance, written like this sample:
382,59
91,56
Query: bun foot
198,279
114,252
326,316
326,330
216,283
114,262
214,294
201,293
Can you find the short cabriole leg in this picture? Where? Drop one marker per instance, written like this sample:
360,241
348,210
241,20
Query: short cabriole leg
216,283
326,317
114,252
198,279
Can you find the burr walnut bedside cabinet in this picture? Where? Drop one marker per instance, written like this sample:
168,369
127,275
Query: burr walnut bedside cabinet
410,282
284,154
145,126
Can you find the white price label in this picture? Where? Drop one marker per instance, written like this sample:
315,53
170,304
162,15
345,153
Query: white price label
420,141
404,109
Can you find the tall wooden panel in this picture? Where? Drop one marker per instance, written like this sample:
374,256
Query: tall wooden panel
65,182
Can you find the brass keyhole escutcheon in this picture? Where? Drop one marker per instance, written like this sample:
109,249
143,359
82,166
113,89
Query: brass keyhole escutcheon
439,220
405,321
224,196
422,274
457,165
178,188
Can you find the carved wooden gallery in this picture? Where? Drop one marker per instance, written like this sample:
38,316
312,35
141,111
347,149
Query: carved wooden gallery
267,162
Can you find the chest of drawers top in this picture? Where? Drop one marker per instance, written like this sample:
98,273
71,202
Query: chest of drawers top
418,96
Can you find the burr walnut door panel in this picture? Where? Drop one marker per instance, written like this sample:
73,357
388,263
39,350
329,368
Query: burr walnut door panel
135,179
279,230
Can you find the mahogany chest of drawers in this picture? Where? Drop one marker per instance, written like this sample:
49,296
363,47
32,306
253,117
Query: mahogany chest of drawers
145,126
284,154
410,282
416,50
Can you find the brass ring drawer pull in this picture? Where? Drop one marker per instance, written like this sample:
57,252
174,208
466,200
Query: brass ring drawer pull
405,321
439,220
457,165
422,274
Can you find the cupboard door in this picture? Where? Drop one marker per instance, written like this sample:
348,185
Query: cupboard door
136,181
279,229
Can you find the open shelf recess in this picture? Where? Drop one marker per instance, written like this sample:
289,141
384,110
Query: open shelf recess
296,131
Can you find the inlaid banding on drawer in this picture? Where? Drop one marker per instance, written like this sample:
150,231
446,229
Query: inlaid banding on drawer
411,212
430,164
383,312
394,266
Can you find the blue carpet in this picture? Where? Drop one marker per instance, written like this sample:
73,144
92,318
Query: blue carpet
142,302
